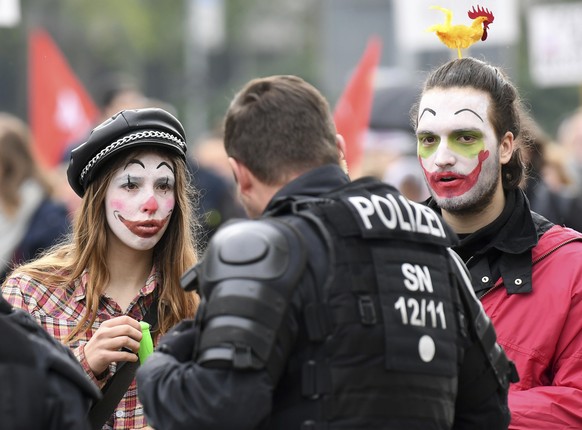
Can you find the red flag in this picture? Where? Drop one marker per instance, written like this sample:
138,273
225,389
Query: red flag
354,107
60,109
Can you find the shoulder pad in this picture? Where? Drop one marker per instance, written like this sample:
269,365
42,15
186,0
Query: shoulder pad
247,277
257,250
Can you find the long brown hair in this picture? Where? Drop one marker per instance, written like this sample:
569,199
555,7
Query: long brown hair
17,163
86,251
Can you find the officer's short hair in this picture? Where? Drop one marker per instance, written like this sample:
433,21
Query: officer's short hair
280,125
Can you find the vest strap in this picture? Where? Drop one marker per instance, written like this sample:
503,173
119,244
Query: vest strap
315,380
317,321
367,310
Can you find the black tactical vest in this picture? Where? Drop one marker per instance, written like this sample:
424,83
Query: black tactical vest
381,342
43,385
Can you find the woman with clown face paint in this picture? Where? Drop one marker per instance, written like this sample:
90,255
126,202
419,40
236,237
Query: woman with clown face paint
133,238
526,270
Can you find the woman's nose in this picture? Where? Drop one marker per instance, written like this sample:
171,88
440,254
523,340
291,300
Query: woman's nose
150,205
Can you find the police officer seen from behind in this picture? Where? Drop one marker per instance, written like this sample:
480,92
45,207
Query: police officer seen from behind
341,306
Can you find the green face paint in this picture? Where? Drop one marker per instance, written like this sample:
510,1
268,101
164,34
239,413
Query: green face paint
465,143
427,144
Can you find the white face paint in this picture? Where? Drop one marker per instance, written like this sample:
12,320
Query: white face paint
457,147
140,199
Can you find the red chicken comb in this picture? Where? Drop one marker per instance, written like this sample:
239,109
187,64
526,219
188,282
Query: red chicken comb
481,12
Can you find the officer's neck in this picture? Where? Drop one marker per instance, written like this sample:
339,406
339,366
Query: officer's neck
261,194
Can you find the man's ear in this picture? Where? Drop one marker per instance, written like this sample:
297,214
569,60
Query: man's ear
340,144
506,148
242,175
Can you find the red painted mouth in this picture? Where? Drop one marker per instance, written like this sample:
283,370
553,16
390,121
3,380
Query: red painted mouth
451,184
146,228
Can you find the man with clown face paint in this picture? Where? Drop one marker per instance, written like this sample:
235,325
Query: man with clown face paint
458,150
526,270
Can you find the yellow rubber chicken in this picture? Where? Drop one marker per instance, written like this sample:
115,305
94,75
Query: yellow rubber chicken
462,36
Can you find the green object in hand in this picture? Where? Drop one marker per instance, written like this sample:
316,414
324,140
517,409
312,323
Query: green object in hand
146,346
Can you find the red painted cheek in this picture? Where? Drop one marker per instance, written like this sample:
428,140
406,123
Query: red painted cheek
117,205
169,205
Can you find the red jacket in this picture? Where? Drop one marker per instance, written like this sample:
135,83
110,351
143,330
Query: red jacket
542,333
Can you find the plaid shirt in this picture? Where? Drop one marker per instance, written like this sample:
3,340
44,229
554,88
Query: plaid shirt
58,311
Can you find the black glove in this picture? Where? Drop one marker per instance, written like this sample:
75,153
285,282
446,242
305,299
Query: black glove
180,340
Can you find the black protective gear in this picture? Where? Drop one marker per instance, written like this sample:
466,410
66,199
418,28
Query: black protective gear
180,340
384,323
247,278
370,332
43,385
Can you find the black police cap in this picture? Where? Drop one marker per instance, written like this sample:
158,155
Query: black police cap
128,129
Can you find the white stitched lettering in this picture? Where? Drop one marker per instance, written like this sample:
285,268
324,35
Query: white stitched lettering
392,214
